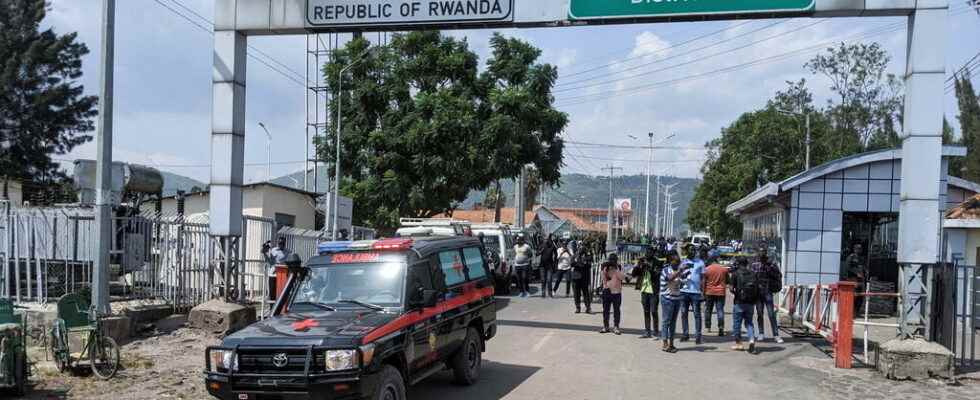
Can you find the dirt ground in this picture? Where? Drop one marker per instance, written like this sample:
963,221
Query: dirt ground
164,364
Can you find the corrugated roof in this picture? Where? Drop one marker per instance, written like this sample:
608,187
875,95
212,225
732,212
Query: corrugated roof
969,209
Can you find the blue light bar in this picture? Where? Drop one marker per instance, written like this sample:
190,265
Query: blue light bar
333,247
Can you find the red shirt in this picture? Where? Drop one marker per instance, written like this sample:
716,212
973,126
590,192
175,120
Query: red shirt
715,278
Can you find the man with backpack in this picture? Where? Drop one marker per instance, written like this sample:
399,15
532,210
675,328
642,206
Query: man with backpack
747,291
771,280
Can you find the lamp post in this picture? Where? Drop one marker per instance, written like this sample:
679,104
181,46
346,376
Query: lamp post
268,151
340,103
806,117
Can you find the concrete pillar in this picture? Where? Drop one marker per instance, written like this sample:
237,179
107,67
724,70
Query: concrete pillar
227,133
920,221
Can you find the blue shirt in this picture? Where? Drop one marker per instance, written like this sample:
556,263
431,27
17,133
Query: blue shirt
693,281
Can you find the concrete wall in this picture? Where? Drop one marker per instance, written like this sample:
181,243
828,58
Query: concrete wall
272,200
14,192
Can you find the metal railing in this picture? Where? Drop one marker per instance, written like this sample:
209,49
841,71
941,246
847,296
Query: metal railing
827,310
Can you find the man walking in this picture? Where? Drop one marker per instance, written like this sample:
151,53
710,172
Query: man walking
522,264
547,266
647,275
274,256
582,277
612,293
691,293
564,269
715,283
771,282
746,289
671,280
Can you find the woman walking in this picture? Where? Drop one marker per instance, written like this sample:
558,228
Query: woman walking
612,293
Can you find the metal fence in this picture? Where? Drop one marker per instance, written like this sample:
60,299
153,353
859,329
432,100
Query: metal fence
955,314
48,252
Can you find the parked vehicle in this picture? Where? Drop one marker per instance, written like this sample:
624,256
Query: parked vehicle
411,227
700,239
14,366
364,320
499,244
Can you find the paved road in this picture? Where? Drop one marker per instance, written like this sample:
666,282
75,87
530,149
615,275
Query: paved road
545,351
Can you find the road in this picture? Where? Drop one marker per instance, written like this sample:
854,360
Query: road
545,351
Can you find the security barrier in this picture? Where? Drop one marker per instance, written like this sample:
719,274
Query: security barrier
827,310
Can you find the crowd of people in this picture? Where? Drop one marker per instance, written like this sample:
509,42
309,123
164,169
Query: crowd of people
674,282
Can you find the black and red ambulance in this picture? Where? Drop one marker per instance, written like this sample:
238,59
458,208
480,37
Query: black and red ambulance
364,320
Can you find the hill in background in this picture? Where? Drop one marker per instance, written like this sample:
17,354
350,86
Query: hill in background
586,191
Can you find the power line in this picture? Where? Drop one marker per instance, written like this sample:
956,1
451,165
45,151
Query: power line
211,32
639,66
255,164
657,50
636,147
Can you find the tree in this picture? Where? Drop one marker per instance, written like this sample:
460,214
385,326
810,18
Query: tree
43,111
421,128
968,103
867,99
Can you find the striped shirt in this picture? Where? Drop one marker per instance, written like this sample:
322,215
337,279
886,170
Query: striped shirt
670,289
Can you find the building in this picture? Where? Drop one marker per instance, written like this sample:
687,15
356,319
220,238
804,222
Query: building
286,205
15,192
553,220
812,221
962,229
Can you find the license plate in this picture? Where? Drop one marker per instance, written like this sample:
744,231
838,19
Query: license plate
243,396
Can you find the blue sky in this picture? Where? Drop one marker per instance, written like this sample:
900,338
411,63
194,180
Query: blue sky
616,81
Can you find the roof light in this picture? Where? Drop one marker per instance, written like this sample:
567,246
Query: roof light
393,244
333,247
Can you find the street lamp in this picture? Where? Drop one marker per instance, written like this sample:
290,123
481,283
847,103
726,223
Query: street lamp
340,91
646,207
268,150
806,117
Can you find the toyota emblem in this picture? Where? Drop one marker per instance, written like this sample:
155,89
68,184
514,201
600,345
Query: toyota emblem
280,360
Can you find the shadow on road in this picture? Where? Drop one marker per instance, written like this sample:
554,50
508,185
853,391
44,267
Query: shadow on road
561,326
496,381
502,302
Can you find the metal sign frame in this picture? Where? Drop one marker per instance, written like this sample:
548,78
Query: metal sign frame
809,7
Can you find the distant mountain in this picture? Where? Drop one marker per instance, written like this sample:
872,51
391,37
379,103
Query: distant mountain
585,191
173,182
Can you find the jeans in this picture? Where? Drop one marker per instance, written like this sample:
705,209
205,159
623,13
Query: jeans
740,313
615,300
272,288
650,302
582,292
711,303
761,307
546,275
563,274
689,300
669,321
522,278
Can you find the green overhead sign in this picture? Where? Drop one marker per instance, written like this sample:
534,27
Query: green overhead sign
601,9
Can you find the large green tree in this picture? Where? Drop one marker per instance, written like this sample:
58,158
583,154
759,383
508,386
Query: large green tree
421,127
968,103
43,111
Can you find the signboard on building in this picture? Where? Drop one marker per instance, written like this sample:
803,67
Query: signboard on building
623,204
604,9
406,12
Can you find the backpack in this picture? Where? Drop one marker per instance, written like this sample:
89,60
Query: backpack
775,281
749,288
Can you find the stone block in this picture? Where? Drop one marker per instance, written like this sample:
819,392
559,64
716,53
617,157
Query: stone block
118,327
221,318
914,359
149,313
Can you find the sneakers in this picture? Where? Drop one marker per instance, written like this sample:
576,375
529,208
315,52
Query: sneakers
685,338
616,331
721,332
604,330
779,339
697,340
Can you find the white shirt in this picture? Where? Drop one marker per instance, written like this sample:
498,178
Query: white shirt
523,255
564,259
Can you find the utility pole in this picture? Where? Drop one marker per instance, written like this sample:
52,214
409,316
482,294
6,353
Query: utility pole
519,198
807,141
646,206
610,241
103,194
667,205
268,151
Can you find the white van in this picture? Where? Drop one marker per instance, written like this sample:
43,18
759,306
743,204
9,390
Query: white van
499,243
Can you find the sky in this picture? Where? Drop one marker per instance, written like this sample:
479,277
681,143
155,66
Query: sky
617,82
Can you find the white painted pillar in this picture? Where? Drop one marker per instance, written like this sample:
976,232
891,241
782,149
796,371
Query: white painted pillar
227,133
920,218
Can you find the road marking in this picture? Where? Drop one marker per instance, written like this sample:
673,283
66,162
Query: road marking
544,339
